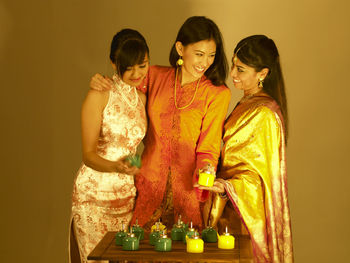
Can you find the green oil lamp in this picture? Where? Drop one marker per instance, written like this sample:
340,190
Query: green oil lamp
134,160
178,230
154,235
189,233
138,231
209,235
119,236
163,244
131,242
185,226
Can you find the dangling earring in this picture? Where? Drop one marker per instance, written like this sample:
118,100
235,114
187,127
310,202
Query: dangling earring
260,85
179,62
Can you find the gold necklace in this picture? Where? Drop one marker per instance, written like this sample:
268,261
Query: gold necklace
247,97
194,95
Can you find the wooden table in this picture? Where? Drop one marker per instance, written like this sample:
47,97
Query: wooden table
106,249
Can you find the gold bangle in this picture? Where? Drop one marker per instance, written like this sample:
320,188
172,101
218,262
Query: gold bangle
223,195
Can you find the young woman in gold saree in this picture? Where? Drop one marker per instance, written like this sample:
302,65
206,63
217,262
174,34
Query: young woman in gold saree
252,181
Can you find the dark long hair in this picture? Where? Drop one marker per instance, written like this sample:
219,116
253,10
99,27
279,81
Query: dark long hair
259,51
128,48
198,28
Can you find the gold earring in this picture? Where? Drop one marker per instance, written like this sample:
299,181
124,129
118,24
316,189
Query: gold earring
261,81
179,62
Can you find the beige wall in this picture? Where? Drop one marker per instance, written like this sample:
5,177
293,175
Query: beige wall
49,50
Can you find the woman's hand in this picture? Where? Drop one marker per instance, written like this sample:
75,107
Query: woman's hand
101,83
124,166
218,187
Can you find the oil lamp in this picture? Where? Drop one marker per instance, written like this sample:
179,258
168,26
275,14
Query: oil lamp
207,176
119,236
195,244
163,244
226,241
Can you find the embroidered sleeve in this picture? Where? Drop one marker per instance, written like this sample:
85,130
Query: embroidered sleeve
208,147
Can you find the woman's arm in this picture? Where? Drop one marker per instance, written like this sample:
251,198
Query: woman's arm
208,146
91,119
104,83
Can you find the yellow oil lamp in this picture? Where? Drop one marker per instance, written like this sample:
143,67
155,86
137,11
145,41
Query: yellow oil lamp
195,244
207,176
226,241
159,226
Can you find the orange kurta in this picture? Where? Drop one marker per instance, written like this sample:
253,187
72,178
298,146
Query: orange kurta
178,142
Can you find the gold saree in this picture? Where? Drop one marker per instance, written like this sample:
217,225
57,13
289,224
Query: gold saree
254,173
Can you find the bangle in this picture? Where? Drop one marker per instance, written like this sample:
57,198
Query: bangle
223,195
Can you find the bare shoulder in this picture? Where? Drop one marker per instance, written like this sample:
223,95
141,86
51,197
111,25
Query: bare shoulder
96,98
97,94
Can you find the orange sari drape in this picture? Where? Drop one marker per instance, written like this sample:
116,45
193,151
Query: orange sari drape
178,143
253,168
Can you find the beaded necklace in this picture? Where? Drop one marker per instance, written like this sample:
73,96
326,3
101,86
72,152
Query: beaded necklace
194,95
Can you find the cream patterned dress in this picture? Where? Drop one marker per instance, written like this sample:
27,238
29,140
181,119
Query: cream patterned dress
102,201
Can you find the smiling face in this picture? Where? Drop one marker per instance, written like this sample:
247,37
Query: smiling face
245,77
197,57
134,75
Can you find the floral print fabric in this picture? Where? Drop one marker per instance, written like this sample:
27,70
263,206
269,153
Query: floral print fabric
102,201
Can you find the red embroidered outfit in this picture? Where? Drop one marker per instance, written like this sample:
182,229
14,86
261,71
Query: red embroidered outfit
178,143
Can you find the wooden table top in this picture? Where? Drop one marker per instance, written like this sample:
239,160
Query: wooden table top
106,249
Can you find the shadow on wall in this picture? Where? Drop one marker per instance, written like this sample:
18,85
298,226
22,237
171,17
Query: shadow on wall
50,52
27,159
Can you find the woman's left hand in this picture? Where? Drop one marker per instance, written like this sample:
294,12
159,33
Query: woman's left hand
218,187
101,83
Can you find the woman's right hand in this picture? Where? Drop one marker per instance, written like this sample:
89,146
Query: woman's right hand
123,166
101,83
218,187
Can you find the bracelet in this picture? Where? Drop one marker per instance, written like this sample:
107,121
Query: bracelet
223,195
